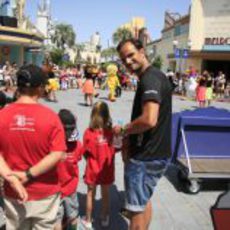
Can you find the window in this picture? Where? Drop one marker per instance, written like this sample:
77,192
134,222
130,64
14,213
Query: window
181,29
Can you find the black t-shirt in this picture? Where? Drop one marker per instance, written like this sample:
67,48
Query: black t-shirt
156,142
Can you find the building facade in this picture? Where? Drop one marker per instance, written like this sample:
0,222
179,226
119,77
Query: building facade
200,39
91,52
20,41
44,18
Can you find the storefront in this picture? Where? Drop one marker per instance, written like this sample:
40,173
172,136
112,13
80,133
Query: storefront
200,39
20,46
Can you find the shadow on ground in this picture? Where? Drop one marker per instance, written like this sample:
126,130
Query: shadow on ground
117,222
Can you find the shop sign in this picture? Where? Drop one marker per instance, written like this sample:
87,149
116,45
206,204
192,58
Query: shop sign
177,53
217,41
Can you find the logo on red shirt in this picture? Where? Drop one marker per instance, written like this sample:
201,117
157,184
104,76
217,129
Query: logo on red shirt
22,123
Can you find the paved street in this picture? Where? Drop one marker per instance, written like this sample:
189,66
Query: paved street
173,209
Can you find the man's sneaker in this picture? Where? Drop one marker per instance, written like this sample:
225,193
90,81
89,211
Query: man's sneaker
105,222
124,213
87,225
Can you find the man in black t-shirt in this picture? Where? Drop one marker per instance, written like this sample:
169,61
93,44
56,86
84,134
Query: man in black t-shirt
147,141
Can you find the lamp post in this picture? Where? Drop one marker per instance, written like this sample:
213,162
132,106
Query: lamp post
181,53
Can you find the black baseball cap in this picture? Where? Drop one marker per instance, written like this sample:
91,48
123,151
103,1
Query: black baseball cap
69,123
31,76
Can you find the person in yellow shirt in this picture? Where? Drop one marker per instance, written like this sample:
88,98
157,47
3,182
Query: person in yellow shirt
112,81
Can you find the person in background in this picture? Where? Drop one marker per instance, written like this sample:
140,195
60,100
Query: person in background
88,87
201,90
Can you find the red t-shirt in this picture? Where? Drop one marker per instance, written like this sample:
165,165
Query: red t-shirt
100,157
68,172
29,132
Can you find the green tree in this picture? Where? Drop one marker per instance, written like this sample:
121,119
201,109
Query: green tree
158,62
109,53
121,34
56,56
64,35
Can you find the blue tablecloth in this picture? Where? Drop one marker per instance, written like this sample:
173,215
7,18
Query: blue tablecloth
207,133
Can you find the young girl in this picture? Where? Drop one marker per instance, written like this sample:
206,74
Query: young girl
88,87
209,89
68,173
64,80
201,92
99,152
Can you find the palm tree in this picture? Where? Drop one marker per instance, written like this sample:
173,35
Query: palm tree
158,62
64,35
121,34
109,53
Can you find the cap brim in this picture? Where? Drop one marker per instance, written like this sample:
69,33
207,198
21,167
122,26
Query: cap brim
74,136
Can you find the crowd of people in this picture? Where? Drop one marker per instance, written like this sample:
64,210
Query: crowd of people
203,87
89,78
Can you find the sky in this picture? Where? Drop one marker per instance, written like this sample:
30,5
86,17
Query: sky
90,16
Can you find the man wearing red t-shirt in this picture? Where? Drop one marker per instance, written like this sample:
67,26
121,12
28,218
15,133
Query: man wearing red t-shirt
31,144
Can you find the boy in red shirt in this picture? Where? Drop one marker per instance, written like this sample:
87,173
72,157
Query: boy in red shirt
68,172
31,144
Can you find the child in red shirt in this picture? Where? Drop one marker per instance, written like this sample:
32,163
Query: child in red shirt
99,151
68,172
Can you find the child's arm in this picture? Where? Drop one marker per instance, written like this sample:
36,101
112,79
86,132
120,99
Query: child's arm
86,148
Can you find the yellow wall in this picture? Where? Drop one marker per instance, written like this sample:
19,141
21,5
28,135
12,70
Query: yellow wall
135,24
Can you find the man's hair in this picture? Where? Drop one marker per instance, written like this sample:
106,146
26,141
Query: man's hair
31,76
29,79
137,43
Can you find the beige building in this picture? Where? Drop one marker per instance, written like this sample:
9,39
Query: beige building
91,52
200,39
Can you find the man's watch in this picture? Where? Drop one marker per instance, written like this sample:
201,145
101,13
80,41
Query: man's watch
29,175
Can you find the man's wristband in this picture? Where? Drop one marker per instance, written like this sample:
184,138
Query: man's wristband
29,175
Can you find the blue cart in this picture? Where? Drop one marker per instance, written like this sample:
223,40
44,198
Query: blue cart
201,145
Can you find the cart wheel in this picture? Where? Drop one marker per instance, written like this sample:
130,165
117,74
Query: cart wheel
182,176
193,186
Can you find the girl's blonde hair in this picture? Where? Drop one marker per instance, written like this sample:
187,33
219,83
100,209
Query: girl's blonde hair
100,116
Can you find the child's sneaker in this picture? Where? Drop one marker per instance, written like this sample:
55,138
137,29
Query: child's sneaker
87,225
105,222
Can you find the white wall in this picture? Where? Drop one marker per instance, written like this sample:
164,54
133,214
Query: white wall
209,18
42,24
